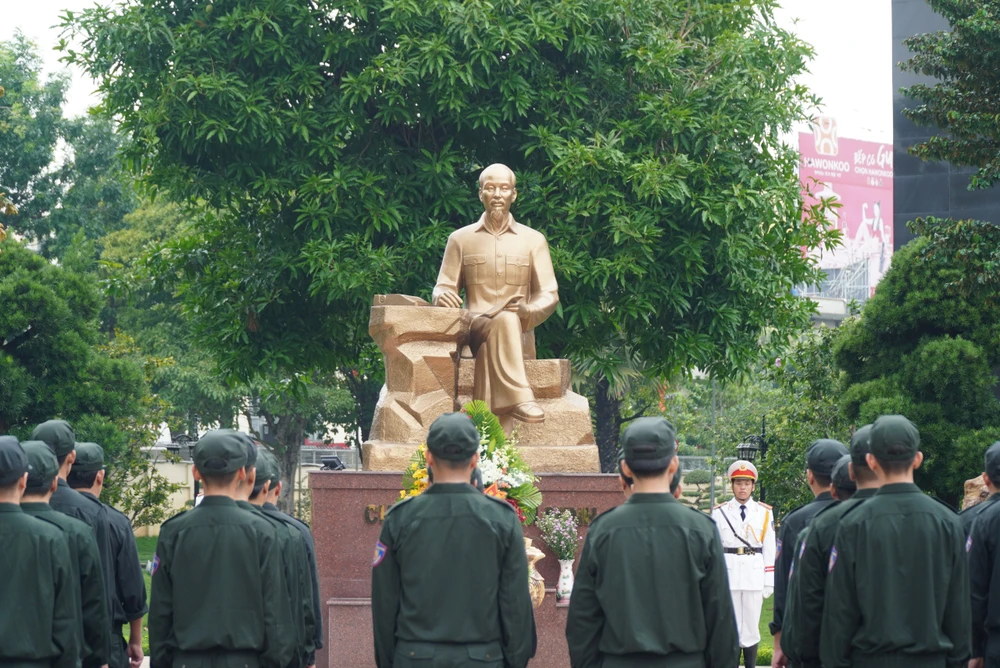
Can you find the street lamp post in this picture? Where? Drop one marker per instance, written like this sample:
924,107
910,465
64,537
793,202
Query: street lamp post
752,446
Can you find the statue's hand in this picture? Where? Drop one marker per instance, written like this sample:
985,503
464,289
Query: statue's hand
448,299
520,308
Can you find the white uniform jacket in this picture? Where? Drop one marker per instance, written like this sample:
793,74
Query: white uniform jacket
747,572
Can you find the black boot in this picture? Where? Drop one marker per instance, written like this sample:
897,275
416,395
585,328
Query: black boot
750,657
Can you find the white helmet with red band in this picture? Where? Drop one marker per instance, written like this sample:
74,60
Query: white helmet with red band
742,469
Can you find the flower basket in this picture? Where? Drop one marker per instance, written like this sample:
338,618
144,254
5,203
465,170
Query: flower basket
505,474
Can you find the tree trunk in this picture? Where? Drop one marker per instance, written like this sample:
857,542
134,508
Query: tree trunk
365,390
607,413
291,431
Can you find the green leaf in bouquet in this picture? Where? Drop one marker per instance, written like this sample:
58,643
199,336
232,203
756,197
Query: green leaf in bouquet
527,495
487,423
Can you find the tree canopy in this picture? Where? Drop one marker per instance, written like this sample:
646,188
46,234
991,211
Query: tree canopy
332,148
924,350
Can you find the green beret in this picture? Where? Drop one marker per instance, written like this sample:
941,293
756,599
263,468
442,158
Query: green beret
89,457
842,474
13,461
991,461
267,468
861,445
648,444
44,466
894,438
219,452
453,437
823,454
57,434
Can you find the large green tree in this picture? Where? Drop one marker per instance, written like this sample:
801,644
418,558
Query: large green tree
333,148
923,349
31,123
964,101
55,363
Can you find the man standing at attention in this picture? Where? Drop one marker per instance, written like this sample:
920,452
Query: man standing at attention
651,588
449,575
510,288
821,457
806,589
129,604
747,531
897,592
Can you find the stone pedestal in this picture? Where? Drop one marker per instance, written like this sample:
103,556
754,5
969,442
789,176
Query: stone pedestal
426,375
347,512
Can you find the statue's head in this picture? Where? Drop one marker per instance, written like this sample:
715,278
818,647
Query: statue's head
497,191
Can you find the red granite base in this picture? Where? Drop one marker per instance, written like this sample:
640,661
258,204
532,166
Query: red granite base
347,510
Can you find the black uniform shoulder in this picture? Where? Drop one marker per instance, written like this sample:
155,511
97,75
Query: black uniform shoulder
602,516
174,520
503,503
399,504
947,505
828,508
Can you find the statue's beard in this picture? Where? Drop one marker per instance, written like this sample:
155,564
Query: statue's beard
498,215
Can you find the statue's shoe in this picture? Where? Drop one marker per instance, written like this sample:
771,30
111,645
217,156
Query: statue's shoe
528,412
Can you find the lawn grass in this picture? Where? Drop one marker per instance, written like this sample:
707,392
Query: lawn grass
147,548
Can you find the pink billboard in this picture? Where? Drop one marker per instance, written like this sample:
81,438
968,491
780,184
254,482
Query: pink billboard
857,175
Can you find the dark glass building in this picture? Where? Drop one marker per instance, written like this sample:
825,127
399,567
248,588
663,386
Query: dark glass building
925,188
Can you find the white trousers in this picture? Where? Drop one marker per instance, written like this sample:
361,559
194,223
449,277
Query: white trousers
747,606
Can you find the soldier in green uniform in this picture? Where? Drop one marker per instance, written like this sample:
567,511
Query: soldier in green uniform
651,588
272,474
627,482
821,457
39,617
806,587
129,603
294,556
897,589
450,576
217,576
969,515
983,546
95,627
61,439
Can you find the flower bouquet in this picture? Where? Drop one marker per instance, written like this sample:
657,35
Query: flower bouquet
560,531
505,474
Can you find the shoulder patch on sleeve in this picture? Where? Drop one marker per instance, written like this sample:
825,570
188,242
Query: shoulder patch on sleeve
968,544
833,559
156,565
777,549
380,552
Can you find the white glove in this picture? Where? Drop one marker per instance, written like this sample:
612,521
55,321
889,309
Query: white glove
768,591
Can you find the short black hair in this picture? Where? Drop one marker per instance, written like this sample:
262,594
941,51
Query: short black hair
629,480
863,474
6,489
218,479
844,493
896,466
822,480
81,479
62,458
650,473
452,465
676,482
257,489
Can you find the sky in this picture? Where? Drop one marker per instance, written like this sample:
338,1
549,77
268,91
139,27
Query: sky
852,71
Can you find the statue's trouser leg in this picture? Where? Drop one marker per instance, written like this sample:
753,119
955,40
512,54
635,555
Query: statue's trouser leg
500,378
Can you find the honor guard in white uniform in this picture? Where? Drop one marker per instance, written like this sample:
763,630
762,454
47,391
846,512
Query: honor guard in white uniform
747,531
